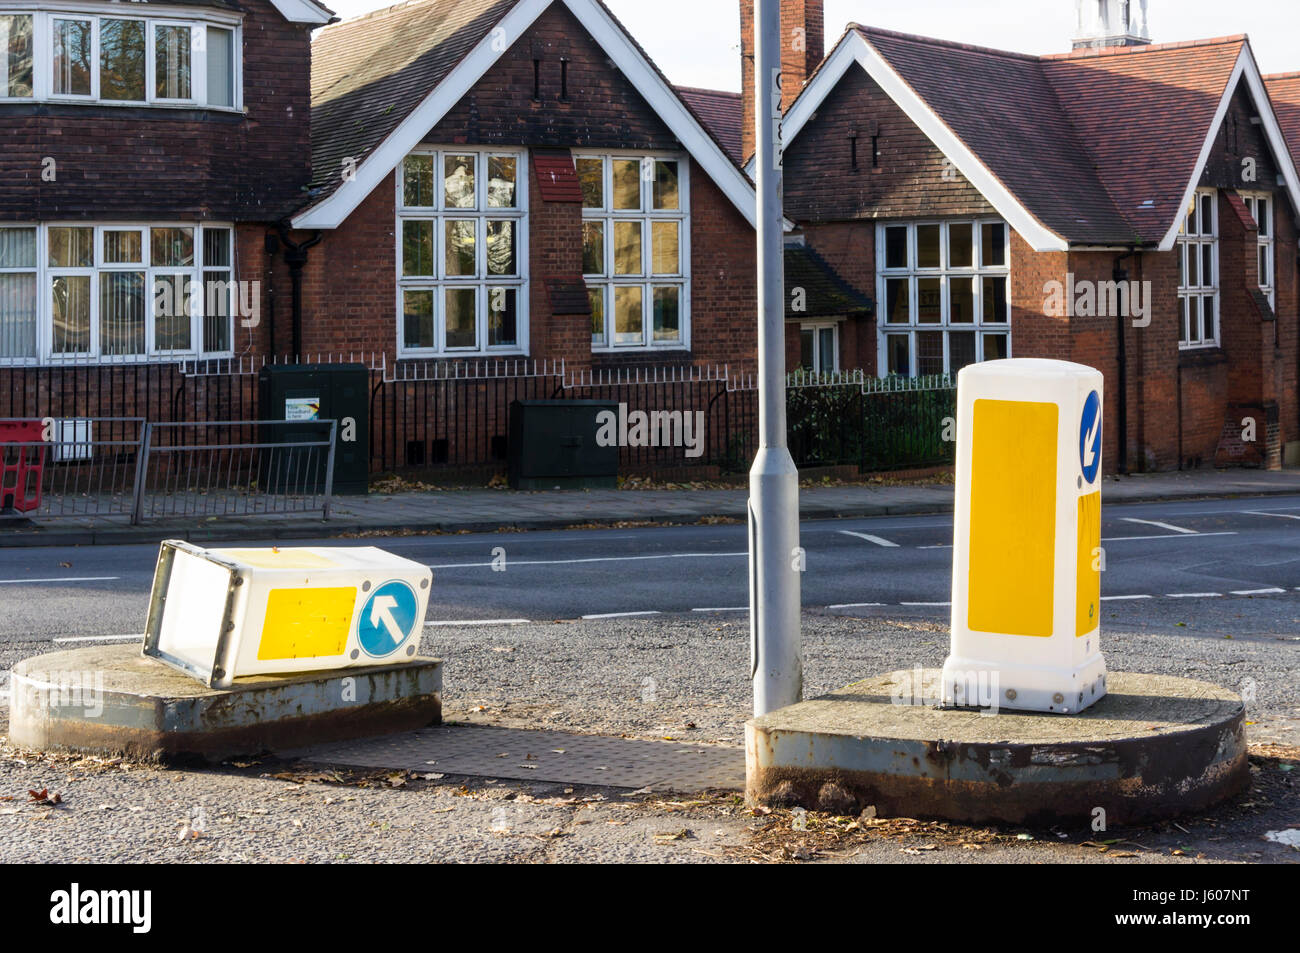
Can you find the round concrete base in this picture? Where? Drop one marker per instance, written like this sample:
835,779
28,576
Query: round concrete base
112,700
1154,747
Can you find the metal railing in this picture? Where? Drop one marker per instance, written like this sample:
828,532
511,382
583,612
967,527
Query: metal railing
235,468
81,466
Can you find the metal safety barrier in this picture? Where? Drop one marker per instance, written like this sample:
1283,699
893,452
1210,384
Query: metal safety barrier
69,466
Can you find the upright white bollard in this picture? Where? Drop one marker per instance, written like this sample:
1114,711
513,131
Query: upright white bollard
1027,558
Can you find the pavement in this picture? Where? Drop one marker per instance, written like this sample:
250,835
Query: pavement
488,510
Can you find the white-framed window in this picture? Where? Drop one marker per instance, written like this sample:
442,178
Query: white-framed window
76,56
1261,205
819,346
944,289
636,249
115,292
1198,281
462,252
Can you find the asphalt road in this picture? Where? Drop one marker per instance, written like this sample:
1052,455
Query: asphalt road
1212,568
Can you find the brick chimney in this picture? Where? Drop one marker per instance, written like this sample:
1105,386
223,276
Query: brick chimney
803,32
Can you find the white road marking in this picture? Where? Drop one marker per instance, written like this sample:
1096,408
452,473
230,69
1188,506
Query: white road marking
19,582
927,604
98,638
481,622
593,559
1195,595
1168,526
942,546
732,609
1182,534
1256,592
856,605
620,615
870,539
1122,598
1281,516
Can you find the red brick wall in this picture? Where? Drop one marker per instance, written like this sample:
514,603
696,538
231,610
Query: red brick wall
138,163
803,40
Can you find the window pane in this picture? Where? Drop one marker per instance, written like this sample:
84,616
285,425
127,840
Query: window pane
627,184
171,313
71,313
501,248
501,181
961,300
993,245
458,181
961,350
666,191
826,350
961,246
1193,266
628,315
667,259
928,309
667,317
929,353
461,317
597,298
1186,335
1207,215
16,55
1182,266
17,248
221,67
1263,218
927,246
591,173
121,60
593,248
121,312
1207,319
123,247
216,247
171,247
898,347
1207,265
459,252
808,348
171,62
218,310
627,248
503,317
17,313
417,319
72,247
995,300
417,248
995,347
898,305
1265,272
417,182
896,246
72,52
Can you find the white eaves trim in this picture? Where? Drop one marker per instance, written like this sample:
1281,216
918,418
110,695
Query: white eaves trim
331,212
1248,69
855,48
303,11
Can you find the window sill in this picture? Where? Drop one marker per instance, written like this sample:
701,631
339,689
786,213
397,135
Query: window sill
63,108
1201,356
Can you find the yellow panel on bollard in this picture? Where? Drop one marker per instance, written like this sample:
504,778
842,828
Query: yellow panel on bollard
221,614
1026,574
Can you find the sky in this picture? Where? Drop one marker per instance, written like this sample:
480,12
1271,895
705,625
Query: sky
697,42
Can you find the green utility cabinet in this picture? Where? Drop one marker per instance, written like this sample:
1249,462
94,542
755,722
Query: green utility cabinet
305,393
553,445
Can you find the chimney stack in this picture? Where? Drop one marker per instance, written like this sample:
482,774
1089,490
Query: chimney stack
803,31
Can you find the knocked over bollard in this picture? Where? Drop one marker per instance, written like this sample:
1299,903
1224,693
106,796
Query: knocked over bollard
225,613
1026,583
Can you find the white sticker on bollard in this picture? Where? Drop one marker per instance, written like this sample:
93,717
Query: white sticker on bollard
221,614
1027,558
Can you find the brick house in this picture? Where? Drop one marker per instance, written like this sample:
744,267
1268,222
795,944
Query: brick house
998,204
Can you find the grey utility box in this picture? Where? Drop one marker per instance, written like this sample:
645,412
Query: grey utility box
304,393
553,444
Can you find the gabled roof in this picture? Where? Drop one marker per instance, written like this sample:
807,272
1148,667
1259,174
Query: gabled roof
1094,147
380,82
825,293
723,114
1284,90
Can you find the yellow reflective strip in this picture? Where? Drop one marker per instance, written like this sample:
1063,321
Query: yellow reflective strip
1087,603
307,623
278,558
1012,518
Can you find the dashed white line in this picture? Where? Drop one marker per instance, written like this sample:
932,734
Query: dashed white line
621,615
480,622
857,605
879,541
1195,595
1257,592
934,605
731,609
1181,534
19,582
593,559
1122,598
1168,526
1281,516
97,638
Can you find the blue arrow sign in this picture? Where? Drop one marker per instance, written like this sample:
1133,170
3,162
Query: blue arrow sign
387,619
1090,438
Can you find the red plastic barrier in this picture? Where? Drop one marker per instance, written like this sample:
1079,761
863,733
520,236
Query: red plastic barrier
21,467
